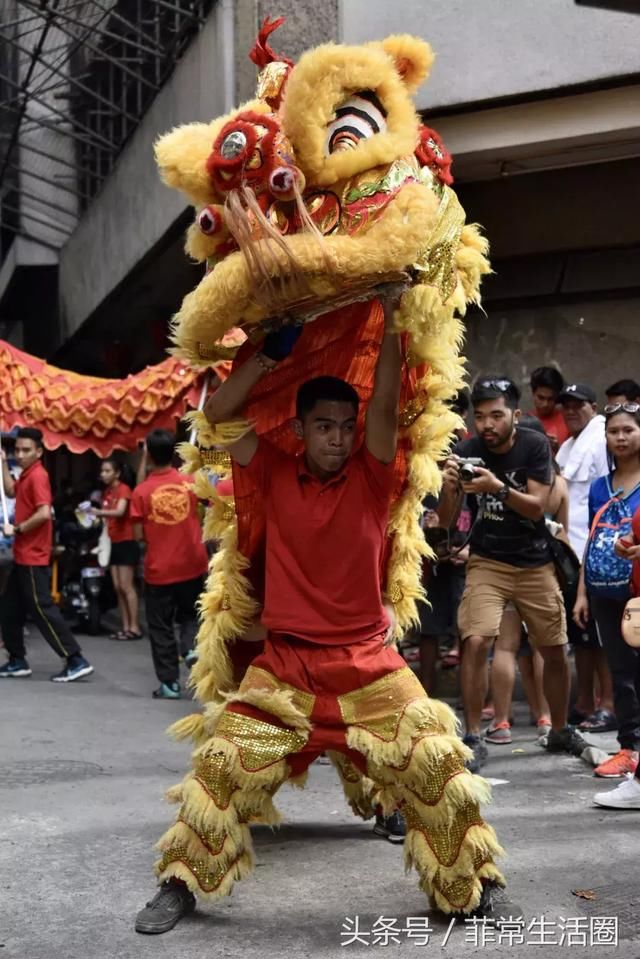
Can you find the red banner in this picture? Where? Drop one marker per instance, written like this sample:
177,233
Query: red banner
88,412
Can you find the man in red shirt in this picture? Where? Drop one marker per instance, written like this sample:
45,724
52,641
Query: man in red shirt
164,513
546,386
27,590
327,678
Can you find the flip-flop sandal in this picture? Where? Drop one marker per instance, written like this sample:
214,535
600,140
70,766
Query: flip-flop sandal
131,635
120,635
601,721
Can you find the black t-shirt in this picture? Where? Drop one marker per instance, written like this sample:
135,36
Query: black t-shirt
501,533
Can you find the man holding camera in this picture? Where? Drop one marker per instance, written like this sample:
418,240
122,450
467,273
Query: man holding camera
506,474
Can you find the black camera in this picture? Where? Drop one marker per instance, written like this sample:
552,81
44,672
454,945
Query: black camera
468,468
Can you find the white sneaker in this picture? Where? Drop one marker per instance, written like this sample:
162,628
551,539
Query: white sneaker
624,796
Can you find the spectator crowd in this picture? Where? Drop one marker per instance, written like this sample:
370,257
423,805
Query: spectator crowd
535,545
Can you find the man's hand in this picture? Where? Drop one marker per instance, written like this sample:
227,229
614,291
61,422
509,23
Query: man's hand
484,482
459,557
581,611
8,530
451,476
278,345
391,628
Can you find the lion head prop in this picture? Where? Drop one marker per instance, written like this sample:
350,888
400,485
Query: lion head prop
312,200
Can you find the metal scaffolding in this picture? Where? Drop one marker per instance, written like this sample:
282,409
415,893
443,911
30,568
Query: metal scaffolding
76,78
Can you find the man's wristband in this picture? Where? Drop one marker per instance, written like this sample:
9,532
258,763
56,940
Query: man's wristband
17,528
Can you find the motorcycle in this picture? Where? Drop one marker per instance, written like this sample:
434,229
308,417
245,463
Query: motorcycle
85,586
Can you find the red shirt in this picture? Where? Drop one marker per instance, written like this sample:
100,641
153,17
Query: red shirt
33,489
120,530
324,546
635,566
554,425
168,511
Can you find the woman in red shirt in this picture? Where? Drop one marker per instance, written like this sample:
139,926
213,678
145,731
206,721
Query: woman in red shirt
125,552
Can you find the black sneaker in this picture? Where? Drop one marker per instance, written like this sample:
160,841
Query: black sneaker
391,827
15,668
172,901
493,907
77,668
480,752
568,740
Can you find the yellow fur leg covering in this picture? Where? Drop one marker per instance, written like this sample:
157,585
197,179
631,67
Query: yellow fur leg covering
358,789
236,774
417,762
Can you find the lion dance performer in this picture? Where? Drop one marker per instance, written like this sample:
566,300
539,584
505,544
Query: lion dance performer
338,252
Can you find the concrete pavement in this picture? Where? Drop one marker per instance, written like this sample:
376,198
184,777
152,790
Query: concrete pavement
84,768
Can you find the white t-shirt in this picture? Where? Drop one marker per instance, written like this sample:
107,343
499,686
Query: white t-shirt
583,459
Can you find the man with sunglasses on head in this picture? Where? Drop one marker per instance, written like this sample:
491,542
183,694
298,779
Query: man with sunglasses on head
510,561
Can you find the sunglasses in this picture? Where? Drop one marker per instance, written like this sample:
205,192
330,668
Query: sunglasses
503,386
621,408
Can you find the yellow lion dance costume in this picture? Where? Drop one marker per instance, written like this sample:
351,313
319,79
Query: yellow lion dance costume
312,198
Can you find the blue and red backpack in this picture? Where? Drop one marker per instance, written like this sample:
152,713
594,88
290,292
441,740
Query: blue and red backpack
605,573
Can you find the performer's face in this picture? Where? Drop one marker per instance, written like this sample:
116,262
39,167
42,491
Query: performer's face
328,432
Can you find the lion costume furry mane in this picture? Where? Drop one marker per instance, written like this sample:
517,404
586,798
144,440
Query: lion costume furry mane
321,192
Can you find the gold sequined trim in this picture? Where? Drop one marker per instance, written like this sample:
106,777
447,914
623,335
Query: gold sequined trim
213,457
216,352
271,79
395,593
458,892
445,841
257,678
209,872
212,771
380,705
436,262
213,841
348,772
259,744
414,408
449,766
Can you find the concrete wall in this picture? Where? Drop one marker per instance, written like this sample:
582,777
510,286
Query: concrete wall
489,49
307,23
591,341
134,209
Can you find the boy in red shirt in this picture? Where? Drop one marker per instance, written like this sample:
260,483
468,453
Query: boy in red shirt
27,589
164,513
327,678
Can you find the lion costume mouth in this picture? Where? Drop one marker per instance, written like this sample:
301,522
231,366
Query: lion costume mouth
370,232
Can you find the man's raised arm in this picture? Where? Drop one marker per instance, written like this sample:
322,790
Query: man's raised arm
229,399
381,425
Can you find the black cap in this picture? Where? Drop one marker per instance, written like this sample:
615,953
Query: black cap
578,391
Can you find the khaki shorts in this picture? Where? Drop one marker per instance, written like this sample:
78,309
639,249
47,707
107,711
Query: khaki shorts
535,593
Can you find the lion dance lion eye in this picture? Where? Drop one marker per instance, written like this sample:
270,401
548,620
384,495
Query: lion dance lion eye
209,221
358,118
